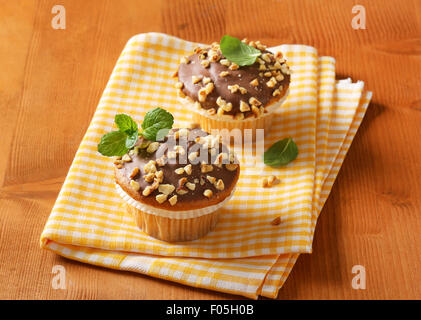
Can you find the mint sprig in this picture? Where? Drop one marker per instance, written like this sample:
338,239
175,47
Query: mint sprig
155,126
281,153
238,52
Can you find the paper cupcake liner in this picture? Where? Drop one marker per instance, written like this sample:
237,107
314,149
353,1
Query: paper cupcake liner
172,226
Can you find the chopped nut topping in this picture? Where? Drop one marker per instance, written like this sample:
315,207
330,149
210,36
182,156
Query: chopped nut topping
173,200
126,158
254,102
208,193
211,111
149,177
243,90
205,63
268,74
225,62
206,80
211,179
263,182
266,57
276,92
181,183
150,167
144,144
279,77
220,158
179,85
276,221
159,175
161,197
220,185
239,116
193,156
147,191
188,169
231,166
119,166
262,67
204,167
244,106
224,73
271,83
180,93
184,60
152,147
234,88
209,88
201,95
135,185
182,191
202,180
196,79
255,110
234,66
166,188
272,180
191,186
171,154
179,170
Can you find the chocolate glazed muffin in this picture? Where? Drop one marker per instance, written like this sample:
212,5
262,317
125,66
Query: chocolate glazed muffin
174,188
226,96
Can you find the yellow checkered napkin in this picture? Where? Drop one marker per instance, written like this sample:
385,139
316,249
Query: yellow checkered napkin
245,254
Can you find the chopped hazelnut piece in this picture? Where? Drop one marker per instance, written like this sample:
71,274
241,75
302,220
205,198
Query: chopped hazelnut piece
276,221
279,77
244,106
205,63
173,200
209,88
208,193
191,186
188,169
159,175
152,147
147,191
161,197
266,57
135,185
193,156
126,158
184,60
211,179
234,66
231,166
254,102
204,168
255,111
201,95
268,74
225,62
149,177
276,92
179,170
262,67
119,166
234,88
144,144
166,188
182,191
271,83
224,73
150,167
272,180
220,185
263,182
196,79
243,90
211,111
179,85
206,80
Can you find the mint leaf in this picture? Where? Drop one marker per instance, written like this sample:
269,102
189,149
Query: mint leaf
113,144
125,124
156,120
281,153
238,52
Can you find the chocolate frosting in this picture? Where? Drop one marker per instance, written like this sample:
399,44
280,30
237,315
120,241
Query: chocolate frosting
124,170
243,77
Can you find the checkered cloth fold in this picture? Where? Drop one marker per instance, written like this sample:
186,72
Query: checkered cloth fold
245,254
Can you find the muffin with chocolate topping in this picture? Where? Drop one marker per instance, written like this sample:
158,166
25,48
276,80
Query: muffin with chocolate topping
175,187
234,84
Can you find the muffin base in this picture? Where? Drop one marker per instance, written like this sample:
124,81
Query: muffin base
173,226
208,122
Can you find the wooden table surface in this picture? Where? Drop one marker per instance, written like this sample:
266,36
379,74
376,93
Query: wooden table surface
51,81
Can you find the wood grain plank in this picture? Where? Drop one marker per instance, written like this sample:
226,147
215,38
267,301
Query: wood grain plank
54,79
